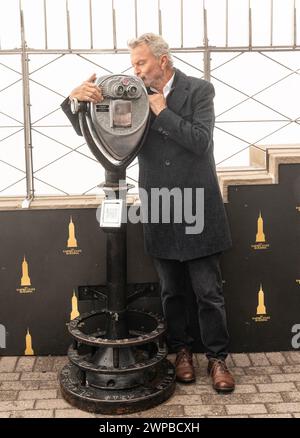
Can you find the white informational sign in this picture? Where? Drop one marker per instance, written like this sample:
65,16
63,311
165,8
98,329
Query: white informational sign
111,213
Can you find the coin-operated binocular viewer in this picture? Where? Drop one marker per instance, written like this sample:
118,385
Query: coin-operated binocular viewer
118,357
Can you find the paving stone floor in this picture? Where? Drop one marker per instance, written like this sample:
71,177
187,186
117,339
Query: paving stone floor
268,385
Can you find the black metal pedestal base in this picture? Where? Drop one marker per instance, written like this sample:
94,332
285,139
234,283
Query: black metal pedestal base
117,376
159,385
118,356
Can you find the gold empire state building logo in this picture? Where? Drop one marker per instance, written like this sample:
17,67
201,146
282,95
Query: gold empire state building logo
74,312
298,281
260,235
261,308
261,312
72,246
28,341
25,279
72,242
260,241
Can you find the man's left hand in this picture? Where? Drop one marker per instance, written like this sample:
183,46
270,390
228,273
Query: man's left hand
157,103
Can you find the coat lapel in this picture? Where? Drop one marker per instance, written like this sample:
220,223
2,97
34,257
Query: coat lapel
178,93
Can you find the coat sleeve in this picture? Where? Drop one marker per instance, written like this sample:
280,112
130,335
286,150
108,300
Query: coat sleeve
197,135
65,106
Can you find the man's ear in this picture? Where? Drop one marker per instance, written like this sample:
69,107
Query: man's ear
163,61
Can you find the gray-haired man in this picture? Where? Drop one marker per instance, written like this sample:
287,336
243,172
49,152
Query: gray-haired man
178,152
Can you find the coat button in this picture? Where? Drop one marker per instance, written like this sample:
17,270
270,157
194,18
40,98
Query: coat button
167,162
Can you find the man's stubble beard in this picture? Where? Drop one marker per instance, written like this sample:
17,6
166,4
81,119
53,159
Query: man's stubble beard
155,82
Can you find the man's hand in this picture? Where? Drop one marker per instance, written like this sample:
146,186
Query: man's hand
157,103
88,91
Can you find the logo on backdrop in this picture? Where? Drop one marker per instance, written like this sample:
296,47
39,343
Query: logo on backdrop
28,344
26,286
260,240
72,245
2,336
74,311
261,310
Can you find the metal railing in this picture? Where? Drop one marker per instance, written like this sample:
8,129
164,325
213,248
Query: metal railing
205,69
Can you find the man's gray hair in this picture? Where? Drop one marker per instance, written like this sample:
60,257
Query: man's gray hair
155,42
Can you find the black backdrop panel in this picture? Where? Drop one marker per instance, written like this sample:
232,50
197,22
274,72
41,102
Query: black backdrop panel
44,307
276,266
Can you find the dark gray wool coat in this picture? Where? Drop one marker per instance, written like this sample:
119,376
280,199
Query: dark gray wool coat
178,152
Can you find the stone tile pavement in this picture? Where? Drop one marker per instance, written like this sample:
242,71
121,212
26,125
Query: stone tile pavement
268,385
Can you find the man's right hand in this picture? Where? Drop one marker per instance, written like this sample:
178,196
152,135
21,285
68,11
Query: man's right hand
88,91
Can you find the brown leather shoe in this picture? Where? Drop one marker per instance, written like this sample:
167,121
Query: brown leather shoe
184,367
222,379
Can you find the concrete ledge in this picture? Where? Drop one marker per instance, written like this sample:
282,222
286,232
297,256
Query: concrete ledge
243,178
58,202
264,163
259,154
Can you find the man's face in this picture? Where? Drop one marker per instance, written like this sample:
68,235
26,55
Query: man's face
146,66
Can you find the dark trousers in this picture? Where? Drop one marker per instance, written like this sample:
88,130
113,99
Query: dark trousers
206,280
